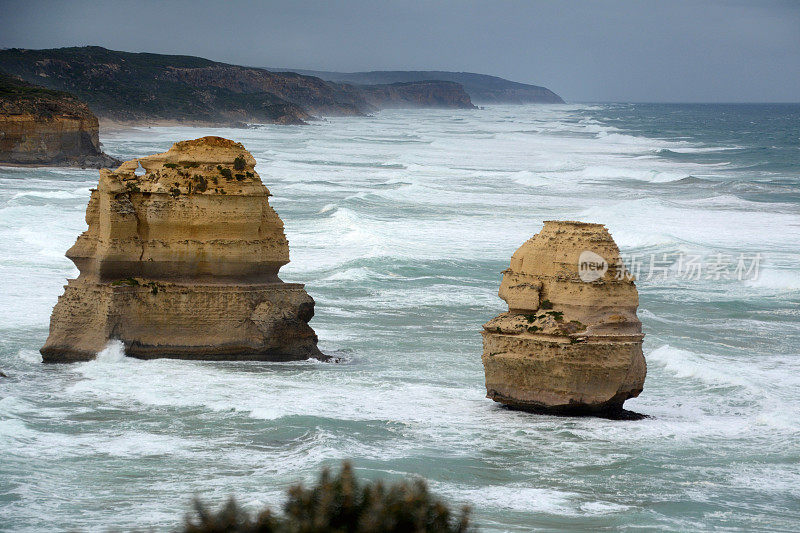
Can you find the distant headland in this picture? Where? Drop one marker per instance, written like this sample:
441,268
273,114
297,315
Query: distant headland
482,88
144,88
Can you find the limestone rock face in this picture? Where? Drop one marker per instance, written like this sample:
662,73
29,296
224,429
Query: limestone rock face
181,260
571,342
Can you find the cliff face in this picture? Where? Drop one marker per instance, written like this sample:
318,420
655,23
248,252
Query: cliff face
312,94
182,261
441,94
571,342
42,127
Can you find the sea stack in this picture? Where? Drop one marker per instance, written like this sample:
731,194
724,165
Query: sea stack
181,260
571,342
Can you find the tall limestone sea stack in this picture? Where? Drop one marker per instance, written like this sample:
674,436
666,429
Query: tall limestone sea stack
571,342
181,260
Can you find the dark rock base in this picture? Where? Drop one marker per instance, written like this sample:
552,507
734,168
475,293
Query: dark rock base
611,411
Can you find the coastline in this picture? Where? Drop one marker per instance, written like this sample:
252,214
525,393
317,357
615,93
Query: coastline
112,125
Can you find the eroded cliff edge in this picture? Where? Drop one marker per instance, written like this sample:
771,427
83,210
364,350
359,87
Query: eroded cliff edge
571,342
181,260
43,127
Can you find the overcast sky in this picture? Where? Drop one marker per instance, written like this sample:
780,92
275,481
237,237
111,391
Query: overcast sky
600,50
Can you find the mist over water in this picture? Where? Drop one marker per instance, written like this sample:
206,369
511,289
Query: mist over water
400,225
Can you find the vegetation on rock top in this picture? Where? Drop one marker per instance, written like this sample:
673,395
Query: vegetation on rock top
18,97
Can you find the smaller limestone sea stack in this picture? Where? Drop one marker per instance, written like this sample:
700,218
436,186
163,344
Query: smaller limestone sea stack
181,260
571,342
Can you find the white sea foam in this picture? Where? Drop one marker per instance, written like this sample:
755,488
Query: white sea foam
779,280
703,367
649,222
531,179
30,356
514,498
60,195
113,353
400,224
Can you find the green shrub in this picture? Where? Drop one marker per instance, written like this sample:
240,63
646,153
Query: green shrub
239,163
339,503
200,183
558,315
226,172
171,165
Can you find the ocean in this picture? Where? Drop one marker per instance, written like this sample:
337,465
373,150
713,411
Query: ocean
399,225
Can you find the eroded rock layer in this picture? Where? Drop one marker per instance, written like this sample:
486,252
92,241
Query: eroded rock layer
571,342
181,260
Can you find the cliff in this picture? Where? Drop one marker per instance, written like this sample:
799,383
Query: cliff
44,127
131,87
442,94
571,342
140,87
313,95
181,260
481,88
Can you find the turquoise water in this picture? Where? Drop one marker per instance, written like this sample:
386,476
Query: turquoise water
400,224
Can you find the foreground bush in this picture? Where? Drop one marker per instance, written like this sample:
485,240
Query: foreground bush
340,504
